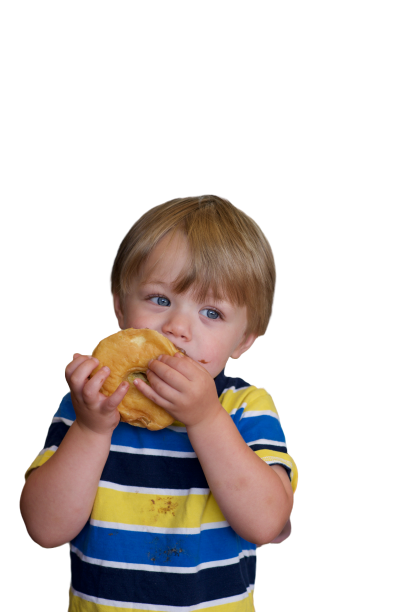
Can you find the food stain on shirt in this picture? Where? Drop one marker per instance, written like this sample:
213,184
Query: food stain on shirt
164,505
164,555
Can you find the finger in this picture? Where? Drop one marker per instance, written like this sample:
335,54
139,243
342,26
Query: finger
73,365
170,375
94,384
112,402
184,365
75,360
78,358
80,375
152,394
174,359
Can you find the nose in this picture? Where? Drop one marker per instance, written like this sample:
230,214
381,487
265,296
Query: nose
177,327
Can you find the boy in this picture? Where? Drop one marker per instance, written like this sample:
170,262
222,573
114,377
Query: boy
170,520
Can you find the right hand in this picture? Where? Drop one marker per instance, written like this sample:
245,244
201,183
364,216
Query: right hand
94,411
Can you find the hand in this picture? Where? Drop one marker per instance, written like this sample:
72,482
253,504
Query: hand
95,412
183,387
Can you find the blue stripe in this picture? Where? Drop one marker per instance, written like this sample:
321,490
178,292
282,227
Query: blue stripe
173,550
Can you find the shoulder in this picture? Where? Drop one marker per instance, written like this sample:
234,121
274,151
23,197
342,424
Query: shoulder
62,421
237,394
65,411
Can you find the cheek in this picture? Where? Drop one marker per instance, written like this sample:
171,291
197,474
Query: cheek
214,353
137,315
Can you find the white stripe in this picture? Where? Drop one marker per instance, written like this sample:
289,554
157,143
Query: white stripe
166,569
165,530
235,410
279,462
143,451
154,452
264,441
178,428
234,389
49,448
157,452
62,420
256,413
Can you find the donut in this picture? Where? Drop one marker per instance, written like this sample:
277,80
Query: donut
127,354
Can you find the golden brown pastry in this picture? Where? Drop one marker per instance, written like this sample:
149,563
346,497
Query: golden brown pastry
127,354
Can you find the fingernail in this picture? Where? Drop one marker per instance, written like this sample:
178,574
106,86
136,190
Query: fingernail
159,358
178,354
147,371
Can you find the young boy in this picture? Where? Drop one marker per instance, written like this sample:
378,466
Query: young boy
171,519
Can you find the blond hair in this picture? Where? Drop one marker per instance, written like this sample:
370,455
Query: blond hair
230,256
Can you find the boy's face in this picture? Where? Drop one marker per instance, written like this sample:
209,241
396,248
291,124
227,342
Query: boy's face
210,331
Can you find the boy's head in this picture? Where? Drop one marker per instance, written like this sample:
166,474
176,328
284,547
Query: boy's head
229,256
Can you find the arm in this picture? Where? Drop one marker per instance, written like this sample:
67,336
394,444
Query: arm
287,531
57,498
255,498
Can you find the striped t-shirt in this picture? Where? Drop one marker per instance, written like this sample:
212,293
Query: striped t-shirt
156,539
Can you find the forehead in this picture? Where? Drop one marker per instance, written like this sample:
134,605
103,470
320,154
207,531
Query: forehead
169,259
171,264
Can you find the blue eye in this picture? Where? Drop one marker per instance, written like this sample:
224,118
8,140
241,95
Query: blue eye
160,300
211,314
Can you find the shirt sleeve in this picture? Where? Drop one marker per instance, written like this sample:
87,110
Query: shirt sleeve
257,420
62,421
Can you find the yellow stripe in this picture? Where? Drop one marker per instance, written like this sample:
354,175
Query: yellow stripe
270,455
39,460
234,399
155,510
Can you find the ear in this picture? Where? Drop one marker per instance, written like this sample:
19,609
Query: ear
118,310
243,346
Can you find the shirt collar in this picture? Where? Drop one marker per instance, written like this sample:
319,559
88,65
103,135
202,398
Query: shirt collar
220,382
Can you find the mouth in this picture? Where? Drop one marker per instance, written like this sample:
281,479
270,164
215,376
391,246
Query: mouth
184,352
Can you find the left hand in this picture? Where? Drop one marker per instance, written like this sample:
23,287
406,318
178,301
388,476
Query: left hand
183,387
